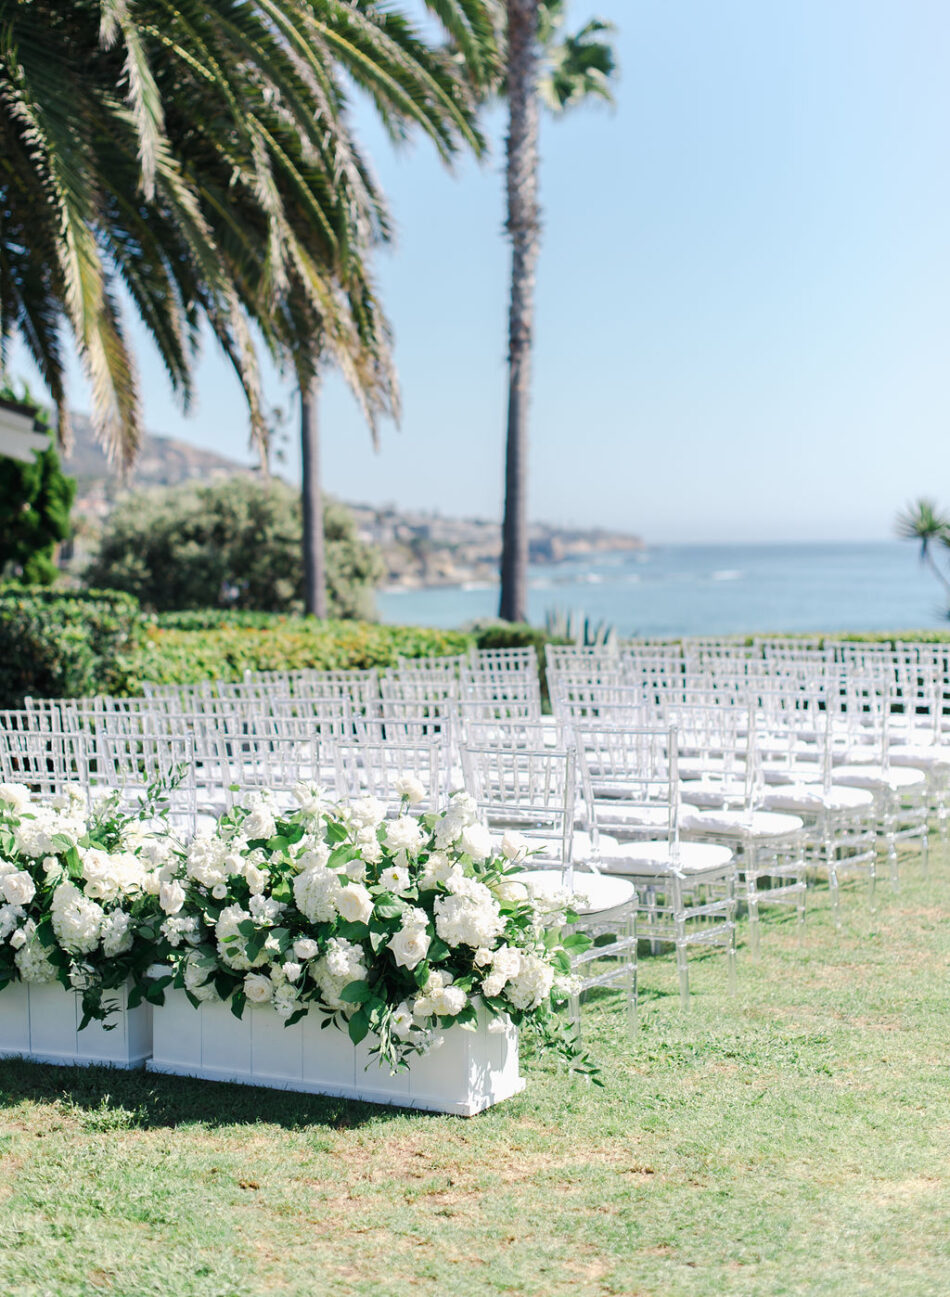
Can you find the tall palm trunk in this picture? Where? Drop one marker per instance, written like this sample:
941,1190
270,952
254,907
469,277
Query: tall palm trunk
314,561
524,229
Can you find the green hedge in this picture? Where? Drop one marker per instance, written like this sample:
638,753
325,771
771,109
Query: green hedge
56,644
182,656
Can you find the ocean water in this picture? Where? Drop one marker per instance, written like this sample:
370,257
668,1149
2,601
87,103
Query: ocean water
712,590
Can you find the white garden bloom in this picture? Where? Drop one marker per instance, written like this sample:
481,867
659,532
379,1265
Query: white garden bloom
315,856
514,846
285,1001
404,834
197,980
264,909
366,813
370,846
356,870
32,962
77,920
437,869
316,892
342,964
510,889
447,1001
171,896
354,903
395,879
18,939
532,984
410,946
465,919
233,953
475,841
219,891
178,929
306,948
259,824
312,798
402,1022
117,933
206,860
256,879
34,835
109,875
258,988
291,970
18,888
15,796
506,963
10,916
411,788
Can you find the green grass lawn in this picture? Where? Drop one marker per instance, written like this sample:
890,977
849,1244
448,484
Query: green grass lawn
791,1140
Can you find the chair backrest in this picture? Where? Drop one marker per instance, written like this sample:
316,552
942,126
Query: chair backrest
373,769
629,781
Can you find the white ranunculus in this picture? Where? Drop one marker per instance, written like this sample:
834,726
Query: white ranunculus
404,834
394,879
171,897
18,888
411,788
306,948
476,841
354,903
410,946
258,988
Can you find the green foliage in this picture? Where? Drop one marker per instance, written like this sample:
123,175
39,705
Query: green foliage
236,544
35,500
573,628
57,644
224,652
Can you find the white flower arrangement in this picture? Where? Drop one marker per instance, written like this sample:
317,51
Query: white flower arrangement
75,895
392,927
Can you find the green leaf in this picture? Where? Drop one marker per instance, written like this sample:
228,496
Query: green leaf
238,1001
358,1026
355,992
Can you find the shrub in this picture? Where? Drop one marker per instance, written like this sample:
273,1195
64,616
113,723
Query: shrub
56,644
35,500
233,545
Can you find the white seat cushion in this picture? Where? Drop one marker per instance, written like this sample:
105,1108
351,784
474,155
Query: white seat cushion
810,799
593,893
760,825
617,817
640,858
876,778
919,756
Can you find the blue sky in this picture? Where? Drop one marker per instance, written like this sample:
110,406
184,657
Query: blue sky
744,291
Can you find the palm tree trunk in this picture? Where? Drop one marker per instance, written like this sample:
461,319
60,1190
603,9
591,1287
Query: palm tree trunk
524,229
314,564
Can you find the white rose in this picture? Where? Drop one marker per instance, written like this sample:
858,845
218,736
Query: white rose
509,889
476,842
171,897
409,786
354,903
306,948
410,946
259,824
514,846
404,834
18,939
256,879
19,888
258,988
291,970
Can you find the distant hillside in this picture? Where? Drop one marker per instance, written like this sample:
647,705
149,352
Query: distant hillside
418,548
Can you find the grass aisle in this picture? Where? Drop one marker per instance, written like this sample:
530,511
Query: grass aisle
790,1141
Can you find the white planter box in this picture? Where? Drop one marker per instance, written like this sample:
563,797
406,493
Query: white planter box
41,1023
471,1071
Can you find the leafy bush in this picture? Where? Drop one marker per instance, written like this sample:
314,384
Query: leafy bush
56,644
35,500
233,545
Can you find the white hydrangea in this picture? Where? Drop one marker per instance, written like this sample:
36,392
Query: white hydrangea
117,933
439,997
437,869
371,849
366,813
197,980
264,909
316,892
77,920
206,860
505,963
176,929
32,962
469,915
109,875
232,953
34,835
315,856
285,1001
531,984
342,964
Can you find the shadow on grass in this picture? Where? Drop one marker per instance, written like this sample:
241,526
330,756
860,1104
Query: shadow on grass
117,1099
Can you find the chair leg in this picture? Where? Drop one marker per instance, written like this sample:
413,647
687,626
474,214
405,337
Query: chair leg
752,900
679,927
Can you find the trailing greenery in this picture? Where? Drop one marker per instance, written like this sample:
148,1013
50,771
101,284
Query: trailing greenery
235,544
35,500
61,644
784,1141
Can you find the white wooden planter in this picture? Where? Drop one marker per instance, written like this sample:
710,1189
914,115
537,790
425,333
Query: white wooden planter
470,1072
41,1023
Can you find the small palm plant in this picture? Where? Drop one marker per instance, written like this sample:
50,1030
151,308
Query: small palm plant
922,521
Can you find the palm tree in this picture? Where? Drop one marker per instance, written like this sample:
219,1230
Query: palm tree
196,155
560,71
923,522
